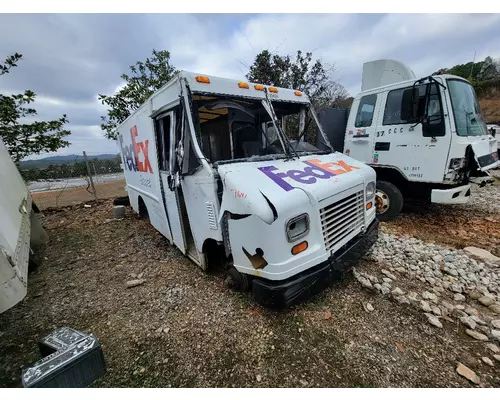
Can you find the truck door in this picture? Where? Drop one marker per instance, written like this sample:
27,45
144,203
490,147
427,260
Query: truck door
165,128
361,127
401,143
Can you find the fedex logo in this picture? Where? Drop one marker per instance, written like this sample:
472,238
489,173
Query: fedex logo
131,153
315,170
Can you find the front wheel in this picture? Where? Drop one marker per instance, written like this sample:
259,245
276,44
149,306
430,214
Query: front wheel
236,281
388,201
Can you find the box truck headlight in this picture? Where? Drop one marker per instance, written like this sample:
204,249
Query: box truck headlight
370,190
297,227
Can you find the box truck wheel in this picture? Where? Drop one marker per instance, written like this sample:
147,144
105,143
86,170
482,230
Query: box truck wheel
237,281
388,200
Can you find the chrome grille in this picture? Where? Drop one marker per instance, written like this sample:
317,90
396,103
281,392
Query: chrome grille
342,220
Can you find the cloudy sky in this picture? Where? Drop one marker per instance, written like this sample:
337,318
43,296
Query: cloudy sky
69,59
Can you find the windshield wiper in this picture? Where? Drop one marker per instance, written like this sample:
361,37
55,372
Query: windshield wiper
288,148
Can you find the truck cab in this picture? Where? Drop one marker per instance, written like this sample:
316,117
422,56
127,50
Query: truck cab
425,137
228,172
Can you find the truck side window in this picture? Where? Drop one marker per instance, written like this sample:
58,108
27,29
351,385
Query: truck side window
364,117
191,161
163,141
392,112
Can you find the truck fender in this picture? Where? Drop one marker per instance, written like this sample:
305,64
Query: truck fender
245,201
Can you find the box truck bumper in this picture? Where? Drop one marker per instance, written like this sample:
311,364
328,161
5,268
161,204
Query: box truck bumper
283,294
456,195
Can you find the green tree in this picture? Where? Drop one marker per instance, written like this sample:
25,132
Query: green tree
300,73
24,139
479,71
144,79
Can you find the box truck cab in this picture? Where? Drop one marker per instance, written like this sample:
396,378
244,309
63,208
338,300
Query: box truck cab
425,138
227,172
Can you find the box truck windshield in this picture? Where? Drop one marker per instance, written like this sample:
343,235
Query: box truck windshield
237,129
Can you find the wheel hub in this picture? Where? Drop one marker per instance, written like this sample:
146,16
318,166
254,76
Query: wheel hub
382,201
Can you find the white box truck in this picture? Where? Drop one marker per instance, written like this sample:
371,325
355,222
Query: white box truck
20,232
425,138
282,215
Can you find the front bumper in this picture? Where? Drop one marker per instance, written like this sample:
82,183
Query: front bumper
456,195
283,294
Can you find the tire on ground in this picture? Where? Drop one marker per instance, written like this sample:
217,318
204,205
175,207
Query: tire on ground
395,200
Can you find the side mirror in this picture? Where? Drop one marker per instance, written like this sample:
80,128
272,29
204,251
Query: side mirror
409,104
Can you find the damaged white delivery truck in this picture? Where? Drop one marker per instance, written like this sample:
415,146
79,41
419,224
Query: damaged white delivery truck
425,138
284,216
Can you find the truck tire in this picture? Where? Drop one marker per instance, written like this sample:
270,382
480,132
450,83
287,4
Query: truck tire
388,201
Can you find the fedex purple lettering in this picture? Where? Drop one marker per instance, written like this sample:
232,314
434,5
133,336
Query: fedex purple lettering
315,170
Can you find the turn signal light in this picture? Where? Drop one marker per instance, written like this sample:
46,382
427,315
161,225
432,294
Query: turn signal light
299,248
273,90
369,205
243,85
202,79
258,87
297,93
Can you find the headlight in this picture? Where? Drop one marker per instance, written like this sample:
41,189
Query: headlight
457,163
370,190
297,227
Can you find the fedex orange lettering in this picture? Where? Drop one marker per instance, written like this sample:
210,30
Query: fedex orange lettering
132,152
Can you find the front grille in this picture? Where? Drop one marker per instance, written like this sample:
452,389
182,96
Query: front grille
342,220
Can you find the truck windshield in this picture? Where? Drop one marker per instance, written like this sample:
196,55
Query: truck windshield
466,110
298,127
231,128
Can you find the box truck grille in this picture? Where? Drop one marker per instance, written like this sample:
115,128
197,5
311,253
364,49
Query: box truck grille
342,220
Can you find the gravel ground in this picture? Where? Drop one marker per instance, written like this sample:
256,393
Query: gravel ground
408,315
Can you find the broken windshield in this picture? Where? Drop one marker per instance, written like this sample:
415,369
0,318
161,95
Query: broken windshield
466,110
295,132
239,128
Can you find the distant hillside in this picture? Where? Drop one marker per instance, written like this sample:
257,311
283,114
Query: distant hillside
485,77
59,160
489,99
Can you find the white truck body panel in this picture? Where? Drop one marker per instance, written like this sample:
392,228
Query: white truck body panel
380,73
15,232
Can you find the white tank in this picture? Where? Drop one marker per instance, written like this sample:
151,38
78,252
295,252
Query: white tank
384,72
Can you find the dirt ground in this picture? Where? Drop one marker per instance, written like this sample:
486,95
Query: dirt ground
77,195
182,328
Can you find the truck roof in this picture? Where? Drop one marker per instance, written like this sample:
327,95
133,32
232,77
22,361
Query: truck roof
235,87
210,84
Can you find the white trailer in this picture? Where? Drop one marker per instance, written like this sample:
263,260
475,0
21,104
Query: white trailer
212,164
20,232
425,138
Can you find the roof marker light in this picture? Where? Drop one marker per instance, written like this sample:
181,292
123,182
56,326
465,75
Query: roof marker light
202,79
